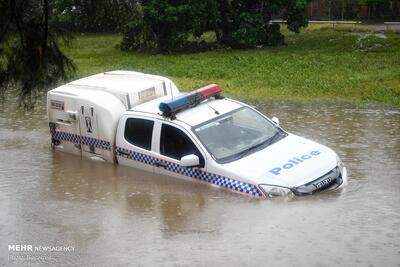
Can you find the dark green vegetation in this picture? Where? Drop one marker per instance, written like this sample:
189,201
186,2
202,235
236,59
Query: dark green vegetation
315,65
164,25
30,58
31,31
378,10
94,16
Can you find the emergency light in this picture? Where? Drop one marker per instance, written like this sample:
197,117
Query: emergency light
173,106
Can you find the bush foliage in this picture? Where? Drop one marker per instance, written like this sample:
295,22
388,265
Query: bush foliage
165,25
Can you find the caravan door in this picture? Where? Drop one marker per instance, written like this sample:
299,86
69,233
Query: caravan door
64,123
89,130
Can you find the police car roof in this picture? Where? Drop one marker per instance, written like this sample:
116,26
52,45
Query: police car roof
204,111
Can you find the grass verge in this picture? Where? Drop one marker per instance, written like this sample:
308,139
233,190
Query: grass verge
317,64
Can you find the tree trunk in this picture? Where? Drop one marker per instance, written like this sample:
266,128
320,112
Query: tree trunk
266,14
343,10
329,9
17,22
45,30
224,26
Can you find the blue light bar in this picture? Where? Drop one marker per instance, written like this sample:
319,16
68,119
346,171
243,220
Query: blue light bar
171,107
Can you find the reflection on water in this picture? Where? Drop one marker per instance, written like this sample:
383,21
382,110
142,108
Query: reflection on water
114,215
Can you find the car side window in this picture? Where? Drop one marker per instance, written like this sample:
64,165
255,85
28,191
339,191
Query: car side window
139,132
174,143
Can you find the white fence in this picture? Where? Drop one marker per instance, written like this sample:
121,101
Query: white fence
387,25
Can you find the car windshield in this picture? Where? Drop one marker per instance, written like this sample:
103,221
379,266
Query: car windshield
237,134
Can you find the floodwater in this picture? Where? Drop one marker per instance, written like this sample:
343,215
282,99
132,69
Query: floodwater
100,214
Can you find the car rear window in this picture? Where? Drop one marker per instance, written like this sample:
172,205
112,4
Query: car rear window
139,132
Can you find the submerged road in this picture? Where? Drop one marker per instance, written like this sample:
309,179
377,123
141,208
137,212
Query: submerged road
78,212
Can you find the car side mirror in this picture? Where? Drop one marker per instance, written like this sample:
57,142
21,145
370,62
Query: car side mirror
190,161
275,120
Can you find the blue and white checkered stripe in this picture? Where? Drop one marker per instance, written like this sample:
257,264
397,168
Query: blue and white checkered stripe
194,173
83,140
126,153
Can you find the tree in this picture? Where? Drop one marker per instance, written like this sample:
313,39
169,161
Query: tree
246,23
30,58
166,24
378,8
350,9
94,16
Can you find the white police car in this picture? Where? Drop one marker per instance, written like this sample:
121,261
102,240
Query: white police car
199,136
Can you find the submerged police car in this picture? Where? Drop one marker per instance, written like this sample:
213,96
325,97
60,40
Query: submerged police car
232,145
143,121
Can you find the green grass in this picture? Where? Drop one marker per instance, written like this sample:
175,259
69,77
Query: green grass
321,65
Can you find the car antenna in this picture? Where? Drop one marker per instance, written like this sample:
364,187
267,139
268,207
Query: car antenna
216,111
170,87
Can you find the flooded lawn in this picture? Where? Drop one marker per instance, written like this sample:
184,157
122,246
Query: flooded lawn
100,214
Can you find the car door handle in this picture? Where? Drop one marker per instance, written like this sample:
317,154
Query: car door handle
160,164
123,153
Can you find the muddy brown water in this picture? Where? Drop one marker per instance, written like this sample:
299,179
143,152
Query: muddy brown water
97,214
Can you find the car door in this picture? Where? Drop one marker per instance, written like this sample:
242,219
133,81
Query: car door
134,142
174,143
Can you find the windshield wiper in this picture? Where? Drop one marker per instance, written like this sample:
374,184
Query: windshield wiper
263,144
